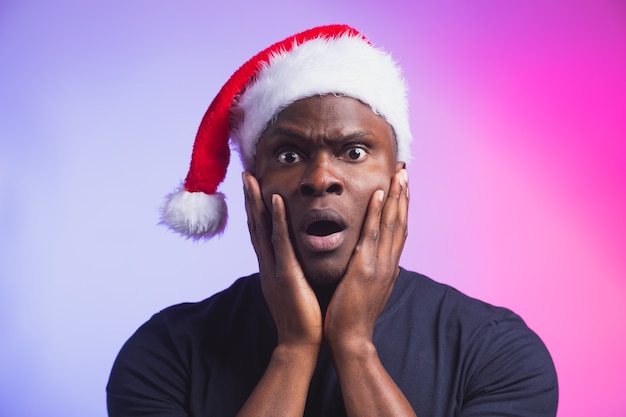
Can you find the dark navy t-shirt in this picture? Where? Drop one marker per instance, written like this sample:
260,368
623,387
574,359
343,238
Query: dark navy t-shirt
451,355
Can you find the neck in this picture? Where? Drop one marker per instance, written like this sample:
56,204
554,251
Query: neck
324,294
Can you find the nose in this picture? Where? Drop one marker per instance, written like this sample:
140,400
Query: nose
320,178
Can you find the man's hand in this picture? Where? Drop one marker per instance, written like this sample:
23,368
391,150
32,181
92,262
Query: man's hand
358,301
282,391
364,290
291,300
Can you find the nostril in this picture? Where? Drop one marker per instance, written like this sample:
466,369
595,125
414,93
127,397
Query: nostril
334,188
307,189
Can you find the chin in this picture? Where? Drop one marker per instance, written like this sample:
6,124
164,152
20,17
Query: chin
324,269
324,275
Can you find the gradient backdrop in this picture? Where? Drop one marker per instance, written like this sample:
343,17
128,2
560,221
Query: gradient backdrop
518,183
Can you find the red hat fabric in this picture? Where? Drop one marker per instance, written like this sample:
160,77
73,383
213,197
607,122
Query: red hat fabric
334,59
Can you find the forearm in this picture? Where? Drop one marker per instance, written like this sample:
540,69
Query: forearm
367,388
283,389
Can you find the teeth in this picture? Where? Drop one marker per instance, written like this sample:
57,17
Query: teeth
323,228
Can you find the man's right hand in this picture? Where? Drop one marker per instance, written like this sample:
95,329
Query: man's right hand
290,298
282,391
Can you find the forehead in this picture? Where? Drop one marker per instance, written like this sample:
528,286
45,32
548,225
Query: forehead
328,117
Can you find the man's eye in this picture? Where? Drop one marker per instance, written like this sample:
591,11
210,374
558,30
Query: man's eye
288,157
355,154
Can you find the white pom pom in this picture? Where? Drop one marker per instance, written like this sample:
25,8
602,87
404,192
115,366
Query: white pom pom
195,215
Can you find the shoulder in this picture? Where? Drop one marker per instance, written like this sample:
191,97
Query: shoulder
465,319
185,319
206,324
157,360
241,298
499,361
444,303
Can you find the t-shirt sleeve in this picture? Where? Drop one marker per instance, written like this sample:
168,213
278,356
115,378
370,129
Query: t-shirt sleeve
148,377
510,374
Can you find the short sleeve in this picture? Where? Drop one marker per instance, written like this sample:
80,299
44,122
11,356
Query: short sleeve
148,376
510,373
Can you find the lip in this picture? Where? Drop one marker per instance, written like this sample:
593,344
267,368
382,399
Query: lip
324,243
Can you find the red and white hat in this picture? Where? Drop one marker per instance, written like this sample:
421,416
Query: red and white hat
334,59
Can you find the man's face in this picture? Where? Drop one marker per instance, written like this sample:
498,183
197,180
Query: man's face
326,156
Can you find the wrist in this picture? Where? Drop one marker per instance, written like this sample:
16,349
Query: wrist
299,355
356,349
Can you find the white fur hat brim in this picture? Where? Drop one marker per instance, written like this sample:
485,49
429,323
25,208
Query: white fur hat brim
346,65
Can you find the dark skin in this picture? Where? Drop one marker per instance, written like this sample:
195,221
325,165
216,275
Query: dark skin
327,211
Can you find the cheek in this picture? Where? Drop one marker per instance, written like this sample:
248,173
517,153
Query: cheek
361,193
271,185
367,184
267,193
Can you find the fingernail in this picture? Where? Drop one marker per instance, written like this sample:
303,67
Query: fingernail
244,180
379,195
404,178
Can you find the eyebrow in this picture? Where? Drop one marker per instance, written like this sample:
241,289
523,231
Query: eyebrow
290,133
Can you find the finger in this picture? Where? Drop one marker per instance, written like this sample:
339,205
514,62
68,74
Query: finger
286,261
366,248
389,219
402,219
259,223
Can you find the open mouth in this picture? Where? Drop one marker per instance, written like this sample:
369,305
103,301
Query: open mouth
323,228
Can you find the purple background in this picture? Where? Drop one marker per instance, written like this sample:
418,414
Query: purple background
518,181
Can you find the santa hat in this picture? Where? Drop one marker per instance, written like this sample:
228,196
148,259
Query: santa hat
334,59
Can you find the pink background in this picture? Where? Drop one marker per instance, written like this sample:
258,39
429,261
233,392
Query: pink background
518,182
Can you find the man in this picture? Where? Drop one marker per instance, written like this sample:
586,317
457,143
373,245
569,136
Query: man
331,325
